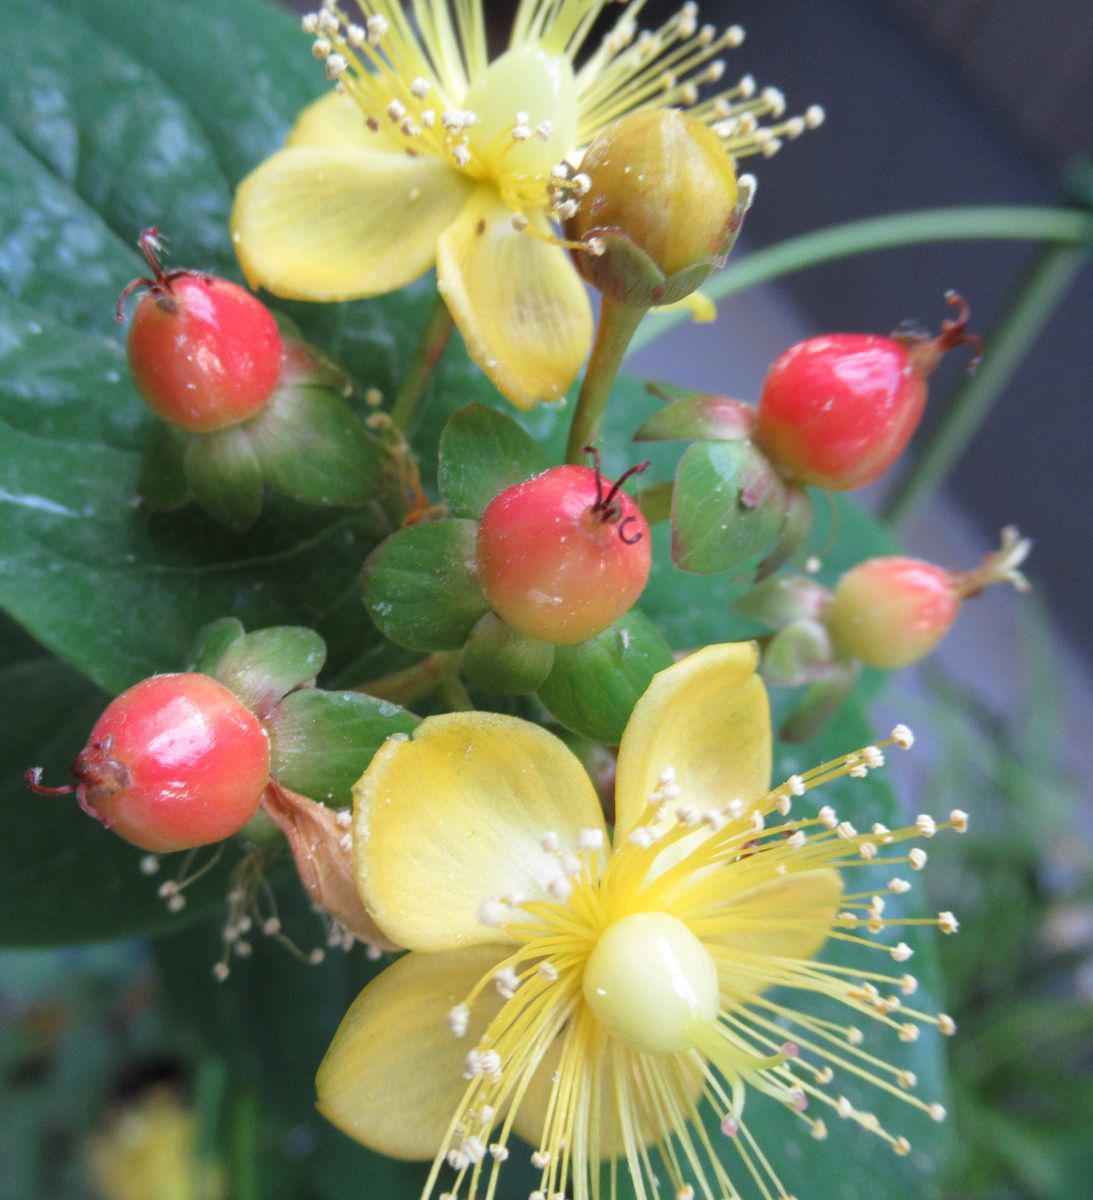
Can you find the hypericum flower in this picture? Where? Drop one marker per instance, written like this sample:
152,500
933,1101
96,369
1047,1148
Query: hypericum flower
429,151
589,999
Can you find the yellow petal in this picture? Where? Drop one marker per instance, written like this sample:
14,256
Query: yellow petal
392,1076
455,816
518,301
336,122
707,718
788,917
330,223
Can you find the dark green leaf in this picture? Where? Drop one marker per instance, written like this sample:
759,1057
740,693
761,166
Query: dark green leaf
482,452
224,475
728,507
162,483
264,666
593,686
421,585
321,742
243,69
94,578
97,120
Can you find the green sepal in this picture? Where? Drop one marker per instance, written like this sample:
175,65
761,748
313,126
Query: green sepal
795,531
698,418
777,602
482,452
312,446
799,653
305,365
594,685
162,485
261,668
225,478
211,642
820,704
500,659
623,272
728,506
421,585
322,742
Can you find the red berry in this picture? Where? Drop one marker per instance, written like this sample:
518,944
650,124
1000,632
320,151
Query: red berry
837,410
564,554
175,762
890,612
205,354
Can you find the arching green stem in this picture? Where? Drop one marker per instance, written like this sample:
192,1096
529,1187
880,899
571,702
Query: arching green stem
1035,299
996,223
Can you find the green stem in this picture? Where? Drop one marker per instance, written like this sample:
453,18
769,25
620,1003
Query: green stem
1034,300
211,1084
656,502
434,341
999,223
617,325
244,1149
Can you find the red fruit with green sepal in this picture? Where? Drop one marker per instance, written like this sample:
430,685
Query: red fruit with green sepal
836,411
175,762
890,612
564,554
204,353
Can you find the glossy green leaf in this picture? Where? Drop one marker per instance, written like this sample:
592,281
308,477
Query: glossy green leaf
594,685
728,507
162,484
321,742
482,452
115,592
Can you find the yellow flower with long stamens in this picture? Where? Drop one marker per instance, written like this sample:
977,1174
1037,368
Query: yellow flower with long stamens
430,152
590,999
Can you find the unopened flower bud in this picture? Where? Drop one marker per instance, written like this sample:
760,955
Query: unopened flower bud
663,198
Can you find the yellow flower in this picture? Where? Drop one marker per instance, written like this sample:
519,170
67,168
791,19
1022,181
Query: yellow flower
149,1152
429,151
589,1001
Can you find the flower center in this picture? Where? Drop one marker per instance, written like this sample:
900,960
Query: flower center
526,108
650,982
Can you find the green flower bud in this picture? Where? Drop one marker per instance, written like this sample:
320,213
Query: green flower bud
662,202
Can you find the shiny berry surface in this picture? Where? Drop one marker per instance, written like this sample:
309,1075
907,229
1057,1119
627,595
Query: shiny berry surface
556,567
836,411
204,353
890,612
175,762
